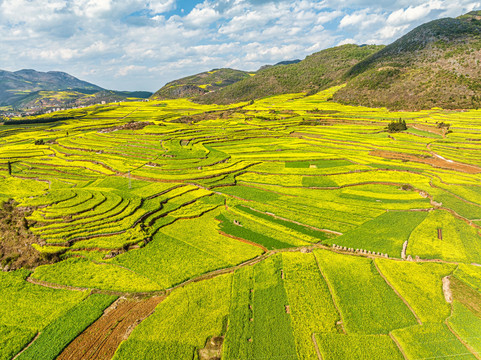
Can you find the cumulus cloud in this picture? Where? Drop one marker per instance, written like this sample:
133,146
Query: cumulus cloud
162,6
361,20
142,44
201,16
410,14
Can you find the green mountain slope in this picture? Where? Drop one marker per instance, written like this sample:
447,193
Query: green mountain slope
75,97
16,85
30,89
316,72
200,83
435,65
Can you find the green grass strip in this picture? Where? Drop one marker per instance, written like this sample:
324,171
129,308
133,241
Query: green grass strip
288,224
56,336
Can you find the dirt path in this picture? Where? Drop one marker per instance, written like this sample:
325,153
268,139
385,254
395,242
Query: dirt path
429,128
102,338
243,240
466,345
397,293
93,290
403,251
447,290
214,273
319,356
27,346
398,346
296,222
331,291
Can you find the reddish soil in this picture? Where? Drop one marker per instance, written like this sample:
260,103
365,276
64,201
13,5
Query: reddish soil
103,337
16,240
433,161
132,125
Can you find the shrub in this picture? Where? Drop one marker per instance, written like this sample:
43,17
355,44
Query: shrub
397,126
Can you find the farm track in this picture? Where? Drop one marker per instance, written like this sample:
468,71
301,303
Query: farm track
103,337
218,272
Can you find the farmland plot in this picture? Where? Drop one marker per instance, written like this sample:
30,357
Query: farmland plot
366,302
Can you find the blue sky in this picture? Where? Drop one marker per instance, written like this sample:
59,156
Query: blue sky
142,44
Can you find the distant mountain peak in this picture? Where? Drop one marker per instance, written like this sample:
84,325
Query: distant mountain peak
201,83
16,85
434,65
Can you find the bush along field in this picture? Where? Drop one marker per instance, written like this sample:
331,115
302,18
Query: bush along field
290,227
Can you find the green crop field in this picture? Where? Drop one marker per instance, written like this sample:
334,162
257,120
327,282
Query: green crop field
291,227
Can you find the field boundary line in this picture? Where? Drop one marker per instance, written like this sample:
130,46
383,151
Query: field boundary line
398,345
466,345
297,222
243,240
95,290
331,291
27,346
397,292
319,356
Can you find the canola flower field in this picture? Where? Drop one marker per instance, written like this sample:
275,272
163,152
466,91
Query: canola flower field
287,228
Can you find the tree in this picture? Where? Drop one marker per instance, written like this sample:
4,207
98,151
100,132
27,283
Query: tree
397,126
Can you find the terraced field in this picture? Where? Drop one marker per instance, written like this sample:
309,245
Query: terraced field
288,228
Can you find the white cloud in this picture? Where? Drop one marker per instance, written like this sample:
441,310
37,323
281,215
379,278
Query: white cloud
361,20
159,7
92,8
125,70
258,52
201,16
346,41
403,16
139,44
389,32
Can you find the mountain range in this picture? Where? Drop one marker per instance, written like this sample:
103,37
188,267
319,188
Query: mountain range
29,88
435,65
438,64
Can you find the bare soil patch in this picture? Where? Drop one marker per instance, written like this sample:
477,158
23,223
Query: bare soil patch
212,349
132,125
16,240
433,161
466,295
447,289
102,338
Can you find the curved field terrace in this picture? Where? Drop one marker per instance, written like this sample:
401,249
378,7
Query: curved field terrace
291,227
